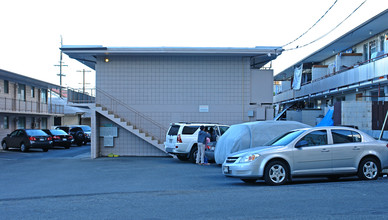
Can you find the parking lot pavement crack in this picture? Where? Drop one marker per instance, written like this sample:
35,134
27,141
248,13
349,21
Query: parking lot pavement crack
156,192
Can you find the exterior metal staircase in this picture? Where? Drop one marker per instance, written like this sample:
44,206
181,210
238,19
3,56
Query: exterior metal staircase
135,122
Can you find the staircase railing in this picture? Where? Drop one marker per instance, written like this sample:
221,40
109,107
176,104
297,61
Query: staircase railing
140,121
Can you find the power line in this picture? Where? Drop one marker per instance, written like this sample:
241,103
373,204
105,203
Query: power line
312,26
329,31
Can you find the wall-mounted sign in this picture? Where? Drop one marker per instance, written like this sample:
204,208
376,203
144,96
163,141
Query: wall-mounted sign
108,133
203,108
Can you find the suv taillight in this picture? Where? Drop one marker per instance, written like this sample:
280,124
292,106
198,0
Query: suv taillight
179,139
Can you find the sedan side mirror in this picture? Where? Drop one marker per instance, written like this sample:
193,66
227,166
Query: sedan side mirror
8,135
301,143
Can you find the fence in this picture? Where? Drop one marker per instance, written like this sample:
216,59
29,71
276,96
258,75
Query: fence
16,105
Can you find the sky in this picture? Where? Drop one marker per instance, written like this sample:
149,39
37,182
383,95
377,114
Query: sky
31,31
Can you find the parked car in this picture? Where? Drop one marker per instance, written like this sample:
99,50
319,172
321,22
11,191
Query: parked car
77,133
250,134
87,130
59,137
26,139
330,151
181,138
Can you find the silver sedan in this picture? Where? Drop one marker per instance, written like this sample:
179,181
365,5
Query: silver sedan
320,151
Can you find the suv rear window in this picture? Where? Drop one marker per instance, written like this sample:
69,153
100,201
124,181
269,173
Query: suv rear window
189,129
173,130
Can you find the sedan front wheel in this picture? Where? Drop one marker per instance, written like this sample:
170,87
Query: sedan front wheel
276,173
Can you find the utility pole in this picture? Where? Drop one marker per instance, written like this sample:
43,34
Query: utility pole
60,70
83,82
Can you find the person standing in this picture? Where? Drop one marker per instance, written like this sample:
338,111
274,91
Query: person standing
202,135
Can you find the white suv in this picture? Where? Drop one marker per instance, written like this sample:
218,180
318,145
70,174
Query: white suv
181,138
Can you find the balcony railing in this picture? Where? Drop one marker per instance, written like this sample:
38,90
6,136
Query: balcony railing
81,95
31,107
351,77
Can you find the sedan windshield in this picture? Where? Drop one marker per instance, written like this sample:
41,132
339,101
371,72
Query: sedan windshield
284,139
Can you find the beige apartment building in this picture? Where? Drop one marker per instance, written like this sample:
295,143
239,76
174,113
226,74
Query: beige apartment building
140,91
349,75
26,103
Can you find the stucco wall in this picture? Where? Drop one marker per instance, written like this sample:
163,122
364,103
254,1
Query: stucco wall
174,88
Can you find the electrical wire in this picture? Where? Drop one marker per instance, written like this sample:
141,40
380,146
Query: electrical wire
329,31
311,26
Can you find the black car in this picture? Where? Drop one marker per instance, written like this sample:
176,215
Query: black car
60,138
77,133
26,139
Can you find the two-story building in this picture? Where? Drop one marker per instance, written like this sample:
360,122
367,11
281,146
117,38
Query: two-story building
25,103
140,91
349,74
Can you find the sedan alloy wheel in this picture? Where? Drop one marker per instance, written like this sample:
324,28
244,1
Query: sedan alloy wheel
276,173
369,169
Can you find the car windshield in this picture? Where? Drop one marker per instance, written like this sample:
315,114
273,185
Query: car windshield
58,132
86,128
284,139
35,133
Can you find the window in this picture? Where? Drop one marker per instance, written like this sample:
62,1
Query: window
32,92
6,122
21,122
359,97
372,48
43,96
22,92
342,136
189,129
173,130
315,138
382,43
223,129
15,133
345,136
366,54
6,86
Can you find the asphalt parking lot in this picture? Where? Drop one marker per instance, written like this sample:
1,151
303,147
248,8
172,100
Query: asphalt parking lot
77,187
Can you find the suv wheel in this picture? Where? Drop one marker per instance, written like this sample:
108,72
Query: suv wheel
193,154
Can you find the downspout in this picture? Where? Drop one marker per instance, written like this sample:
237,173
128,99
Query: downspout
242,92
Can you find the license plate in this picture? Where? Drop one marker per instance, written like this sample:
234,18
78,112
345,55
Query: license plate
226,169
42,139
64,139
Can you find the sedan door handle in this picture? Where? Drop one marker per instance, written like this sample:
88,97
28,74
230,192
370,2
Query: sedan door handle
356,148
325,150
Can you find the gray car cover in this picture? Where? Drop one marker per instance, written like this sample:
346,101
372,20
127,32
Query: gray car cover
252,134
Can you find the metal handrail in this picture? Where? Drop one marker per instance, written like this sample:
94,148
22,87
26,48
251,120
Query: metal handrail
133,116
18,105
340,71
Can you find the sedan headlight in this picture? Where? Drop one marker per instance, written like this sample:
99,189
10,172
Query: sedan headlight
249,158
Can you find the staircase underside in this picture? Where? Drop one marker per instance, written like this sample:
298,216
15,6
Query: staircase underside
127,126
